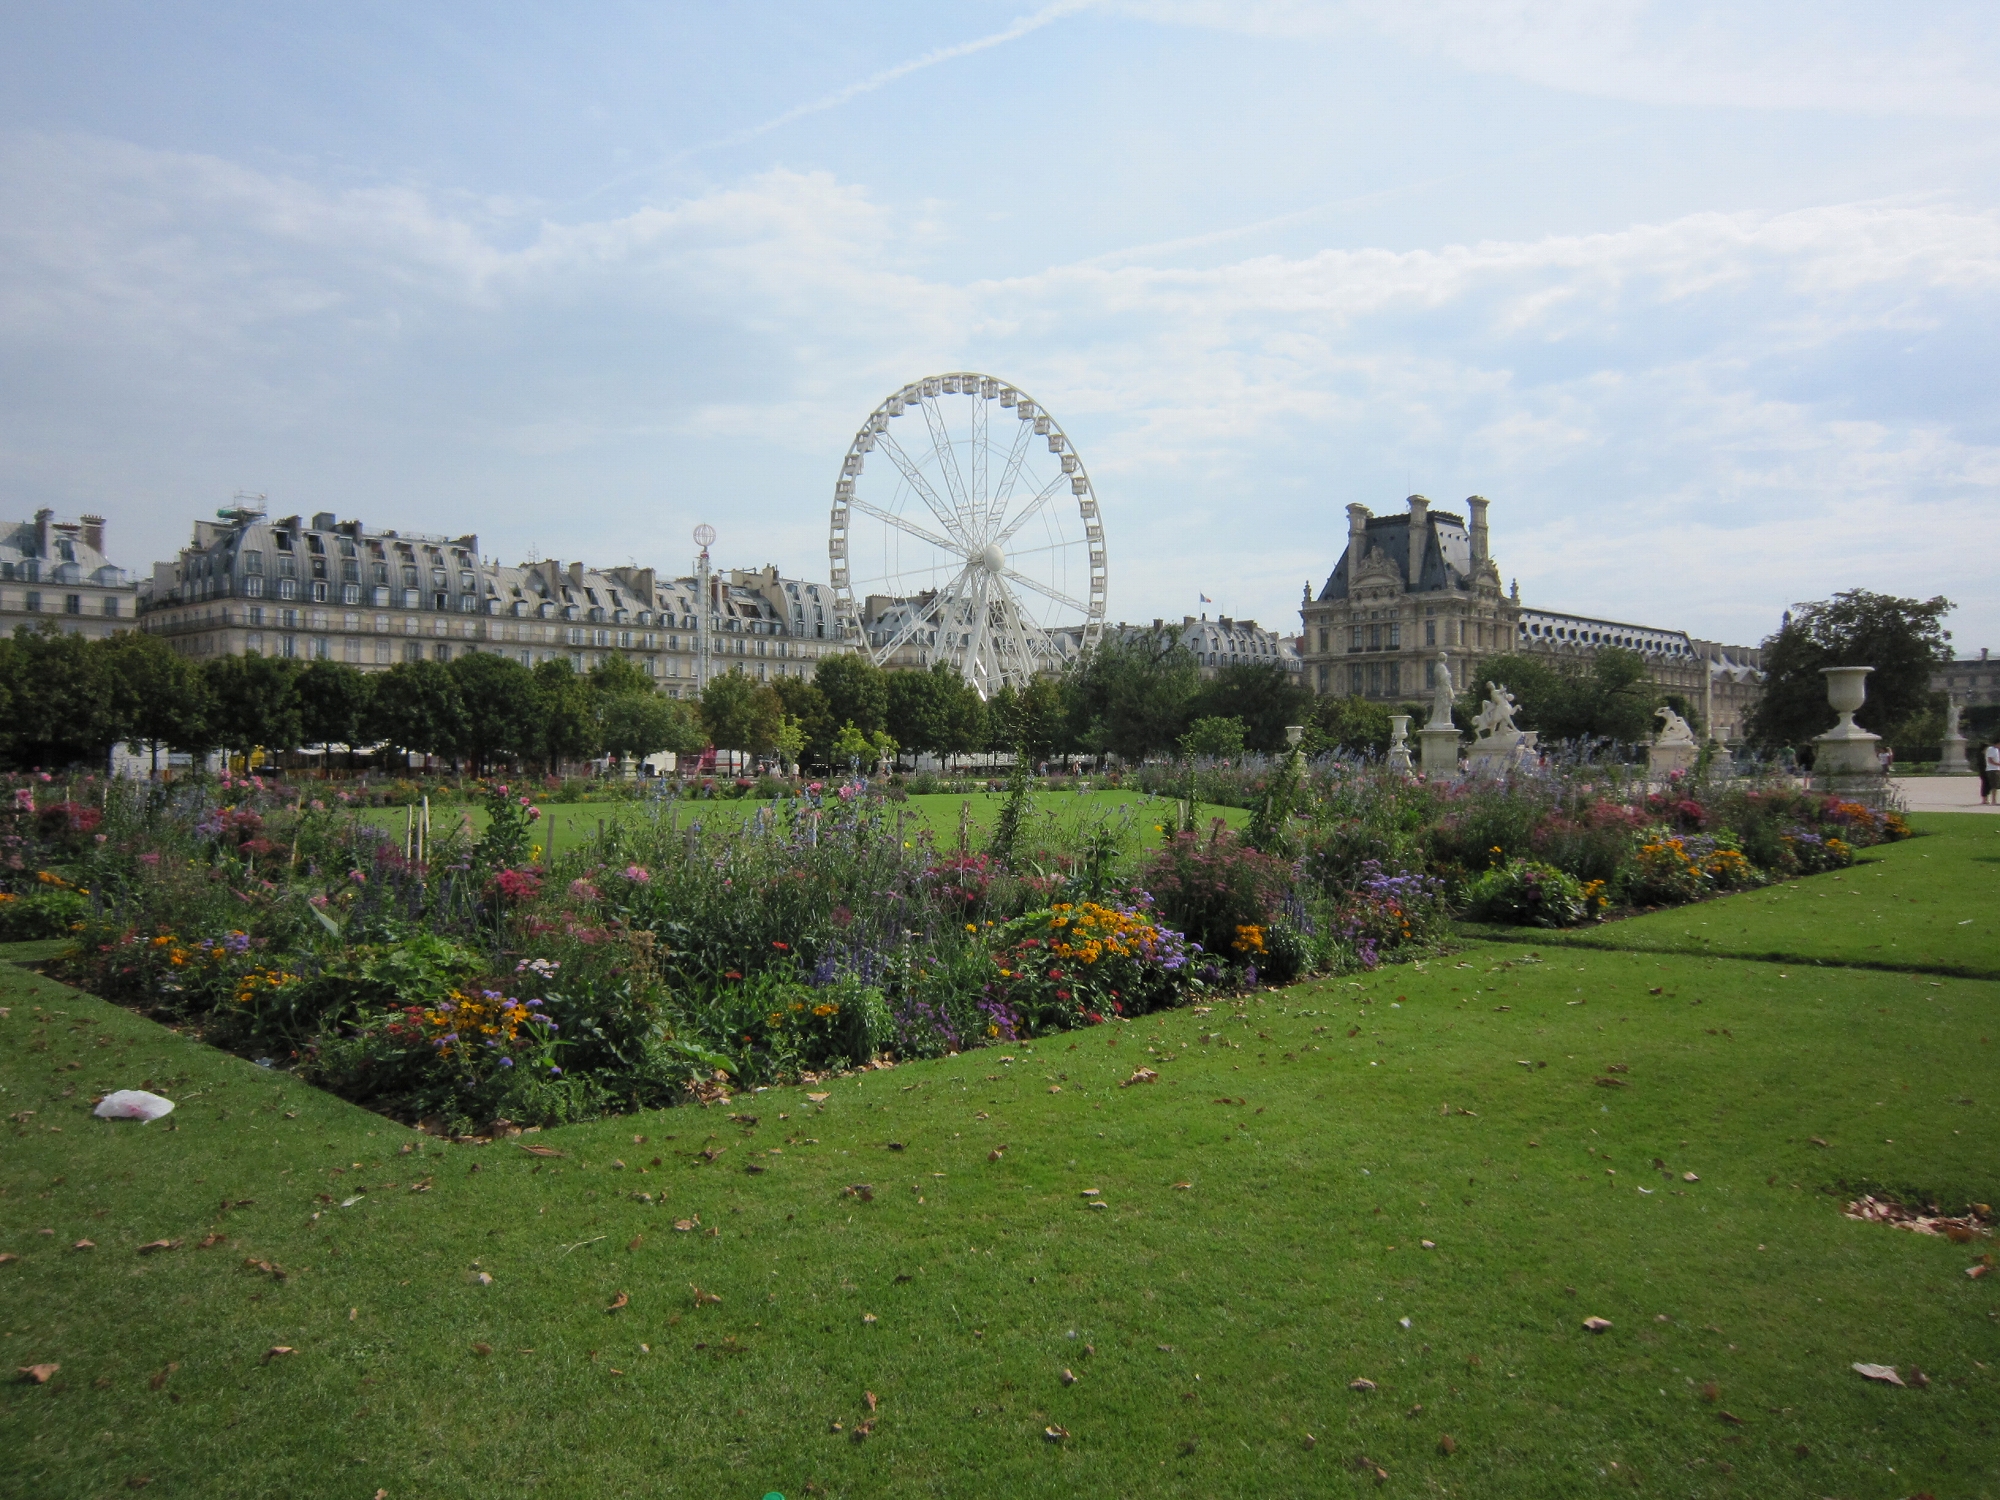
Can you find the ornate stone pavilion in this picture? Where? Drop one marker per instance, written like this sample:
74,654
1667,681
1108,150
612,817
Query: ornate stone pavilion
1410,584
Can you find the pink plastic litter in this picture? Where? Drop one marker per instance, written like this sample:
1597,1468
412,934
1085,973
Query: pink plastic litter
133,1104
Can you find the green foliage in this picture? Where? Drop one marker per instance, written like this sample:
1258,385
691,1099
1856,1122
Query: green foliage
741,714
61,705
1566,698
256,703
856,692
333,703
1263,697
417,707
806,705
1527,893
643,724
1355,725
496,697
566,726
1902,639
45,913
1130,695
1218,890
1213,739
159,699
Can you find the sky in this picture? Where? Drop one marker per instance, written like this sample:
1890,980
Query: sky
1702,296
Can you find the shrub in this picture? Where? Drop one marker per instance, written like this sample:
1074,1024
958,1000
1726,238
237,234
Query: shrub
1074,964
48,912
1388,909
1664,871
1212,888
1528,893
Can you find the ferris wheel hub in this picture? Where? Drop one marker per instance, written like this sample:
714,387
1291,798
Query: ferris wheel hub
992,559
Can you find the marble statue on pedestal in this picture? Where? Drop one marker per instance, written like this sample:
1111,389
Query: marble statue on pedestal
1951,754
1500,745
1440,736
1673,748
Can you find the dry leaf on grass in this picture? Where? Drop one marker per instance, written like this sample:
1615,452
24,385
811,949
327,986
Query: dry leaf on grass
155,1246
621,1300
4,1259
84,1245
1183,1187
1731,1418
39,1374
160,1378
819,1098
869,1318
1143,1075
1597,1325
865,1191
482,1350
1446,1446
1055,1434
543,1151
1711,1392
700,1297
1068,1376
212,1241
684,1225
1362,1384
276,1351
1311,1442
995,1153
1886,1374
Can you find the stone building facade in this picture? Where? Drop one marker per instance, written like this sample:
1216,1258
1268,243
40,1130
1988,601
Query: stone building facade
1973,680
55,572
338,590
1411,585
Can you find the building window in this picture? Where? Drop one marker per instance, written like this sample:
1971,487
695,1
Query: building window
1395,678
441,652
254,643
72,604
413,651
1374,679
1322,642
1354,640
382,653
32,602
288,588
1395,637
253,561
350,593
1355,678
1323,671
288,645
351,649
111,605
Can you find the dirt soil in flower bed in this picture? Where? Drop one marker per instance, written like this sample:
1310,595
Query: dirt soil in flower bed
1434,1223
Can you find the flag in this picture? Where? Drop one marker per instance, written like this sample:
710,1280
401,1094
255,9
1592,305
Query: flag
1206,600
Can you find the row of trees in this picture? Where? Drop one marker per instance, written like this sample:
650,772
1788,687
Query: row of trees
64,699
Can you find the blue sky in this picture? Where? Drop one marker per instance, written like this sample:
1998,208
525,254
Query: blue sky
1702,296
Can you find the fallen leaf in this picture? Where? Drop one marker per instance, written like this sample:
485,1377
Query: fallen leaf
1068,1376
1311,1442
38,1373
154,1246
1919,1379
4,1259
1711,1392
869,1397
1428,1244
1446,1446
684,1225
622,1300
1182,1187
869,1318
1886,1374
1055,1434
1597,1325
1143,1075
1092,1192
212,1241
1689,1177
543,1151
1731,1418
1362,1384
482,1350
819,1098
1817,1141
275,1351
865,1191
1975,1272
994,1154
160,1379
484,1278
84,1245
895,1145
700,1296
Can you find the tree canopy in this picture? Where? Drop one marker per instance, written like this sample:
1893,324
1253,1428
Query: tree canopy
1902,639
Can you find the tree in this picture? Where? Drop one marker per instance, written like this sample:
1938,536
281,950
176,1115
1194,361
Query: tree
333,704
498,709
1265,697
566,725
1041,719
1567,699
1130,696
59,711
416,706
255,703
1902,639
741,714
159,697
806,706
1353,724
1213,739
643,724
856,690
936,711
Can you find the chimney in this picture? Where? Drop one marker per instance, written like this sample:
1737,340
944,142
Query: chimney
93,533
1476,504
42,519
323,520
1357,539
1420,536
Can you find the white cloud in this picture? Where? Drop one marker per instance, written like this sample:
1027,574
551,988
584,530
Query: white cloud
1667,417
1920,59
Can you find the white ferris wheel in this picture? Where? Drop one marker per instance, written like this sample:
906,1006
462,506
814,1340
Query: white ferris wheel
970,539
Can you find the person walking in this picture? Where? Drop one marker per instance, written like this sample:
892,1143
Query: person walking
1989,774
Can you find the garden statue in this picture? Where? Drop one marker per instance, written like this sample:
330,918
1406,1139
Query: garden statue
1951,754
1673,750
1847,759
1440,736
1501,745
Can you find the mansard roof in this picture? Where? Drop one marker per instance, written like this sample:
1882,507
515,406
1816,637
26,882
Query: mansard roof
1446,561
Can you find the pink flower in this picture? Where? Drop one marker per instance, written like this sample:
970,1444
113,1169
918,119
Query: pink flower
534,813
583,890
318,806
639,873
24,799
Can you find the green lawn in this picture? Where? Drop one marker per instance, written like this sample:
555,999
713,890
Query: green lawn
1059,813
1261,1244
1927,902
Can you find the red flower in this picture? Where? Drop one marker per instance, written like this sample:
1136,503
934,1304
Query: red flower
782,947
732,974
1062,994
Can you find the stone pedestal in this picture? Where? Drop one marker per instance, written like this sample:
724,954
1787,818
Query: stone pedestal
1846,756
1440,750
1951,757
1721,764
1664,760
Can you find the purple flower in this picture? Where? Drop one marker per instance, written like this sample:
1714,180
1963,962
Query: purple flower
506,1062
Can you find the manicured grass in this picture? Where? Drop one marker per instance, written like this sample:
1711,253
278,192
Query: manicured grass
1925,903
1212,1327
1058,815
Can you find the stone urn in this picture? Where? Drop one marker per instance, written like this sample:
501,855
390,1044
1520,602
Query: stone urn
1399,743
1846,749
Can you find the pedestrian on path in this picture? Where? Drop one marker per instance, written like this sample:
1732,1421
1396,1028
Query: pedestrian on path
1989,774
